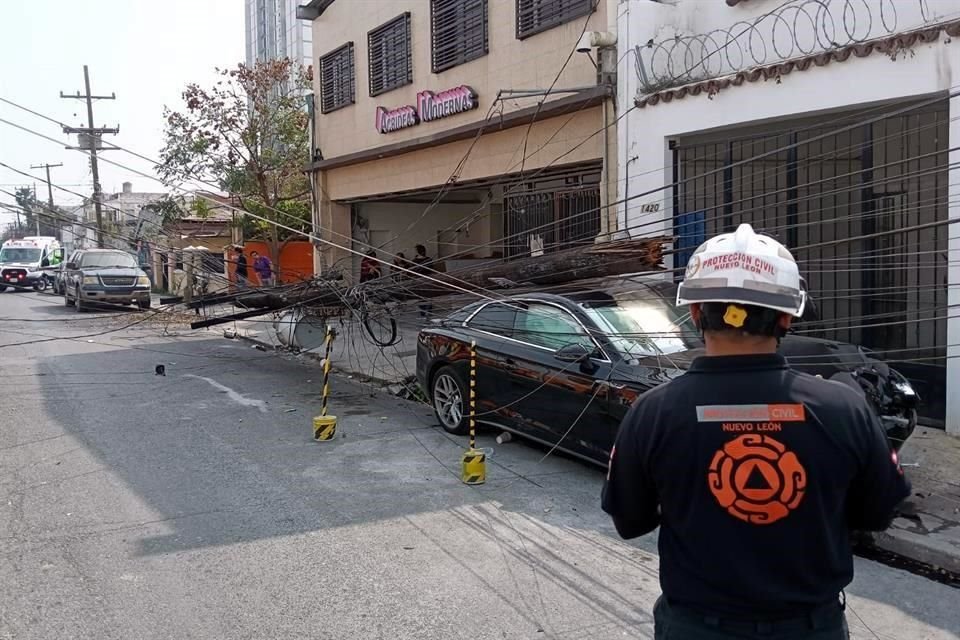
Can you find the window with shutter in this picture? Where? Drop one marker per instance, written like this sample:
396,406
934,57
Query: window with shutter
534,16
391,63
459,32
337,79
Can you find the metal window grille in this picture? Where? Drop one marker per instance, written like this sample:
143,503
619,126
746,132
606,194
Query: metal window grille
534,16
391,63
337,79
864,212
561,217
459,32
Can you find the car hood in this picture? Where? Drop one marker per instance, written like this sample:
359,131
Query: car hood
811,355
19,265
128,273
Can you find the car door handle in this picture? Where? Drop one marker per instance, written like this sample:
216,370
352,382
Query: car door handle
510,365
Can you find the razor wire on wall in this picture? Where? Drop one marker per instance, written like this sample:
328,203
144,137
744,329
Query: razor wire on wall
794,29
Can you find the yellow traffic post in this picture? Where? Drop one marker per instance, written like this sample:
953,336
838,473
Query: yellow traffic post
325,426
474,461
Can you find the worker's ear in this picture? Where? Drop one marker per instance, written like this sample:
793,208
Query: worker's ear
785,321
696,314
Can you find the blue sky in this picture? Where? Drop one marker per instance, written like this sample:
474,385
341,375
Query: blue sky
145,52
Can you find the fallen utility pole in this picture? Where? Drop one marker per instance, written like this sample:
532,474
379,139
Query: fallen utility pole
590,262
92,136
598,260
48,166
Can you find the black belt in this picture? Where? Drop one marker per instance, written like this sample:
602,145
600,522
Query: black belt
822,617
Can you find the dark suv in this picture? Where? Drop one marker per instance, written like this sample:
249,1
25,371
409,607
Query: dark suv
104,276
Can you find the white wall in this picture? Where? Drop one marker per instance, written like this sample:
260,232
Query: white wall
925,70
645,132
953,277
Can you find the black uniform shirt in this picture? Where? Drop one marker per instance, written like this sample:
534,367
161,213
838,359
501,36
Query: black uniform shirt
242,266
756,475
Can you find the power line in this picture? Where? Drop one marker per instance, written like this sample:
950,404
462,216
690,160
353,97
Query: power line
759,156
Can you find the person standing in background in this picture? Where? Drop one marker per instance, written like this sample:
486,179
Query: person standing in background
420,262
264,269
243,277
369,267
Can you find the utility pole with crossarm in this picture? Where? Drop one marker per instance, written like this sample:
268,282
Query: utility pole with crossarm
48,166
89,139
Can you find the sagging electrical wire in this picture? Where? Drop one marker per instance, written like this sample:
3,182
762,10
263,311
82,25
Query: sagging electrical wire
638,195
590,212
807,141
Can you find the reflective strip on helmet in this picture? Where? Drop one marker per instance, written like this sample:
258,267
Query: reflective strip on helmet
786,302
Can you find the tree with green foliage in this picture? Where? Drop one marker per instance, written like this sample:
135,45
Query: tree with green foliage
248,133
32,211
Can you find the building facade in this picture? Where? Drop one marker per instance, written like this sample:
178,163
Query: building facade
127,216
833,126
472,127
273,31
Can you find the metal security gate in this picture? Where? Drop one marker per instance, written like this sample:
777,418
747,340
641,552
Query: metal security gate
859,208
560,213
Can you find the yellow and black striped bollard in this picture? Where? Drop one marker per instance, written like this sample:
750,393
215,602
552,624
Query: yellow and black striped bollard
474,461
324,426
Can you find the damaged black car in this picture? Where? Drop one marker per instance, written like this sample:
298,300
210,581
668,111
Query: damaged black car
562,367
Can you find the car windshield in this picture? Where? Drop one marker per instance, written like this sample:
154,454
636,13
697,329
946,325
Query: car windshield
108,260
19,254
642,321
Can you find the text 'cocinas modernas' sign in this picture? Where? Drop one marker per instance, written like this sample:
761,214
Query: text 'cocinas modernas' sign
430,106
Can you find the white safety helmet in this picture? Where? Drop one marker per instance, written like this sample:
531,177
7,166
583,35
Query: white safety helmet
743,267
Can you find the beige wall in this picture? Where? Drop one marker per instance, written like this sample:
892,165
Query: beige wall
510,64
576,137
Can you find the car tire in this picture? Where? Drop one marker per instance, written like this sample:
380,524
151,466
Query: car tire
67,302
144,305
448,396
3,288
79,303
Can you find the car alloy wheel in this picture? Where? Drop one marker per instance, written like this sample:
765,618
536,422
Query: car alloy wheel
448,394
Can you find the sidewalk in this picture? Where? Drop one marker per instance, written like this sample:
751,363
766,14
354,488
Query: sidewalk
928,531
354,353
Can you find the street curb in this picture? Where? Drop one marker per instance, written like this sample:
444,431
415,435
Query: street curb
912,546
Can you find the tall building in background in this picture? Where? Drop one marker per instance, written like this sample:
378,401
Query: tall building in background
273,31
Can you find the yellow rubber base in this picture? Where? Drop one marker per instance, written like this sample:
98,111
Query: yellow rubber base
474,467
324,428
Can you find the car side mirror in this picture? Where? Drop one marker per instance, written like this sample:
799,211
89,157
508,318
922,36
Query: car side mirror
72,266
810,311
45,262
575,352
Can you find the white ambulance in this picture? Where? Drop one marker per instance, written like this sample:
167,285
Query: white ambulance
22,262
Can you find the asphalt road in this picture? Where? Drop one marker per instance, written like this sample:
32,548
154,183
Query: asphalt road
196,505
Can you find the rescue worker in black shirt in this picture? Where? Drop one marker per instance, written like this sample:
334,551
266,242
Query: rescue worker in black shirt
756,474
